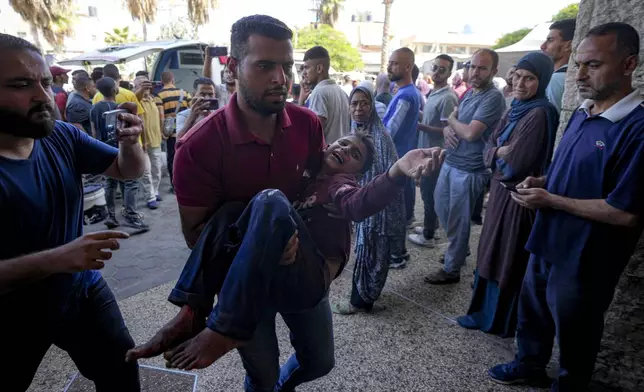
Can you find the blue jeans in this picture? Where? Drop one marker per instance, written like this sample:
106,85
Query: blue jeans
455,196
569,302
129,189
256,288
89,326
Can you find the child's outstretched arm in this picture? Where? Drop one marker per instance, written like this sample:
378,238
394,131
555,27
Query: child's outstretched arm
357,203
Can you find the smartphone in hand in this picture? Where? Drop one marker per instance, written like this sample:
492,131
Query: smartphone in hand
113,124
217,51
510,187
213,104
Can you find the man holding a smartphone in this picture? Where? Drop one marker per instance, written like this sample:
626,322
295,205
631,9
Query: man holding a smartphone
50,289
203,103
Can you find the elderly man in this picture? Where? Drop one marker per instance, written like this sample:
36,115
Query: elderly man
50,291
589,217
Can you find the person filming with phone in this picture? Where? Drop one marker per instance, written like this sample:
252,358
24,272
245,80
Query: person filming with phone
203,103
50,289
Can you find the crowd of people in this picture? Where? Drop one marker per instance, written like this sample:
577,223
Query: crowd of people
271,192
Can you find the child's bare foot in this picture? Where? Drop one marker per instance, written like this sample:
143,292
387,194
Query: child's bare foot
182,327
201,351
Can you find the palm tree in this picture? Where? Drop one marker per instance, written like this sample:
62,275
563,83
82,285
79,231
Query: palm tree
199,11
119,36
329,11
144,11
384,49
53,19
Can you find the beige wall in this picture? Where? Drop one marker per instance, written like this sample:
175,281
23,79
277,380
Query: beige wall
593,13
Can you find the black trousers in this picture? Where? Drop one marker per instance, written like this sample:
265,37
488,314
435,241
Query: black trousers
89,326
427,187
170,143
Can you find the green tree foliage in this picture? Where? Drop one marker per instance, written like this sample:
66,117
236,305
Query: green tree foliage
344,57
120,36
511,38
568,12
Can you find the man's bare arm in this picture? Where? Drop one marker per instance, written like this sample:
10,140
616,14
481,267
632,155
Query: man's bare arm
597,209
431,129
193,220
24,270
470,132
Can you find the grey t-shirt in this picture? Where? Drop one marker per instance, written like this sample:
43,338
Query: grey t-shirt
439,105
555,88
328,100
487,107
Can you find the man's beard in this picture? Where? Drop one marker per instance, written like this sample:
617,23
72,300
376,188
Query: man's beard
395,78
257,103
18,125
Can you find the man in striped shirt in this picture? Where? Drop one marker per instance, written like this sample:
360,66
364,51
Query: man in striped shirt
174,100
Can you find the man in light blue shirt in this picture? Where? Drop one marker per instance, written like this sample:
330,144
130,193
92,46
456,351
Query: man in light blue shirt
463,175
401,120
558,46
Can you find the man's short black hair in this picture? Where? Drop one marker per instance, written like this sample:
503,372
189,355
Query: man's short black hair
107,87
415,72
82,82
80,72
202,81
447,58
97,74
492,53
318,53
566,27
126,85
111,71
628,39
10,42
263,25
142,73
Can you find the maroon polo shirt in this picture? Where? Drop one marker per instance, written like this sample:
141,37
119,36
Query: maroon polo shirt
220,160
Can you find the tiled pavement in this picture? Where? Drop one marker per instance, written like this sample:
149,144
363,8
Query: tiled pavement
148,259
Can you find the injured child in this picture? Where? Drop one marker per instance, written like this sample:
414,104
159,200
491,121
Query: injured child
241,262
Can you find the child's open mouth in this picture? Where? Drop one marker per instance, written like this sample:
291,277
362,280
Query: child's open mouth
338,157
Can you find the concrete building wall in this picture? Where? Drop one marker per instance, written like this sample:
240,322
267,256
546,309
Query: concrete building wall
593,13
620,364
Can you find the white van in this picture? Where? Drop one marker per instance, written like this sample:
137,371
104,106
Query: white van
184,58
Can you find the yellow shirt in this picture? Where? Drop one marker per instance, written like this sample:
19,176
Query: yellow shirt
152,121
124,95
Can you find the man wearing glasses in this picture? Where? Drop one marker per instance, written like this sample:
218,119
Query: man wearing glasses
439,105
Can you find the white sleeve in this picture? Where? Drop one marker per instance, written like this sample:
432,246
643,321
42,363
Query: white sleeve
182,117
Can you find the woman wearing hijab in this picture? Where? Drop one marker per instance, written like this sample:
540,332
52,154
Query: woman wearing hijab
380,237
521,146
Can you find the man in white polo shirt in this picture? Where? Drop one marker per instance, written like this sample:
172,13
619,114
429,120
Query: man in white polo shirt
327,99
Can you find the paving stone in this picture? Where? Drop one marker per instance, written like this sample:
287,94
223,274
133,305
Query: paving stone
127,272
